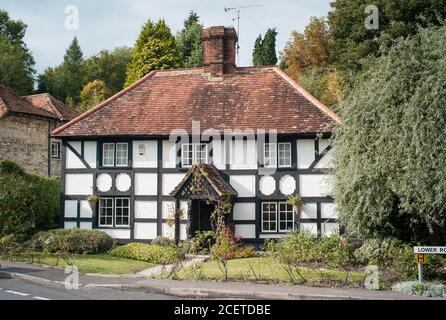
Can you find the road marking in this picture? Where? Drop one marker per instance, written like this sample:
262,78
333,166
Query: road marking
17,293
41,298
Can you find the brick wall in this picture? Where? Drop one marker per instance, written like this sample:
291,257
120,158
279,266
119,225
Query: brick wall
24,140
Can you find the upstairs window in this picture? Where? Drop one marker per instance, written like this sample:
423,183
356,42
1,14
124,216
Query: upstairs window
285,154
269,155
55,150
115,154
193,153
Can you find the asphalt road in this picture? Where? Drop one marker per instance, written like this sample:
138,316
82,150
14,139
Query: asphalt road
15,289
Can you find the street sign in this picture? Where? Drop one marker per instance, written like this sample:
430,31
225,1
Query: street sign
430,250
421,258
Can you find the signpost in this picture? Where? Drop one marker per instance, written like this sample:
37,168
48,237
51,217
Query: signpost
421,257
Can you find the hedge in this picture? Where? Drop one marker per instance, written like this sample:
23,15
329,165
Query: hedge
147,252
73,241
29,203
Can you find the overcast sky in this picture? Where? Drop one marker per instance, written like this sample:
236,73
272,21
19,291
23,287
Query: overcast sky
105,24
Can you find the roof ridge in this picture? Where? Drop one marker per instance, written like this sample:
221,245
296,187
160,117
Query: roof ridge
308,95
104,103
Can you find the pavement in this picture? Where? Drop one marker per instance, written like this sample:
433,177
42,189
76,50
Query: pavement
196,289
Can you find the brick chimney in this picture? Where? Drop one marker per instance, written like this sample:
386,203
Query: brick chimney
219,50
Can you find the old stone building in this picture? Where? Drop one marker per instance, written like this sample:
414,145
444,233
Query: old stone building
25,127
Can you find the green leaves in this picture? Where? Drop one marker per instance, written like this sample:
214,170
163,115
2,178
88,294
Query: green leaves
390,177
264,53
155,50
189,43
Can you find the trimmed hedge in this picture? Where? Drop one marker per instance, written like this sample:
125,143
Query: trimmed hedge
29,203
147,252
73,241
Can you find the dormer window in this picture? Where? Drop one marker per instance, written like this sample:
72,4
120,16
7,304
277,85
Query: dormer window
193,153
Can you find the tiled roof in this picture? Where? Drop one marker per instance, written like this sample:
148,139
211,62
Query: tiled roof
12,103
162,101
51,104
212,176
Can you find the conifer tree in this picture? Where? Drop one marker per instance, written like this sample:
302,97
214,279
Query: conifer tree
189,42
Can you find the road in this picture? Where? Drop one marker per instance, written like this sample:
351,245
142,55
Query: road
15,289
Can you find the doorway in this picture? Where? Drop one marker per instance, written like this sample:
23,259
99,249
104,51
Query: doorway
201,216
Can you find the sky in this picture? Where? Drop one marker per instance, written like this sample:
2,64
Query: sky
106,24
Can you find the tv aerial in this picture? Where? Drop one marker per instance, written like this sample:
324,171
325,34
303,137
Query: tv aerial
237,18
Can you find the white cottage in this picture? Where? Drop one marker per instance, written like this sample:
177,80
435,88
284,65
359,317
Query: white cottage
259,135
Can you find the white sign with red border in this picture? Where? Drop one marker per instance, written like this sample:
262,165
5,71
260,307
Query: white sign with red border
430,250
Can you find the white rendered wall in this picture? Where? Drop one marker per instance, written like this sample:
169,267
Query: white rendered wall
79,184
309,227
244,185
305,153
72,161
169,154
243,154
315,185
328,228
149,158
70,208
245,231
90,153
145,231
146,184
170,181
244,211
328,211
85,208
70,225
308,211
219,154
117,233
145,209
85,225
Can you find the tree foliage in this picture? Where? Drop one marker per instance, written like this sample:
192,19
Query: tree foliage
16,61
155,49
390,151
264,53
72,71
189,42
93,94
353,42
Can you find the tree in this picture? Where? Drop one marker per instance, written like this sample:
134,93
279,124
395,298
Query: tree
389,150
269,55
308,49
155,49
72,71
353,42
16,61
264,53
257,58
93,94
109,67
189,42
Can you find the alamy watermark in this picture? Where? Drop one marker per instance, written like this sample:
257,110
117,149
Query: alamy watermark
372,20
72,17
72,280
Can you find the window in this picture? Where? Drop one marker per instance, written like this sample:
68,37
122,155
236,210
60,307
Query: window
269,216
108,154
193,153
270,155
115,154
285,154
121,154
106,212
286,217
114,212
122,212
55,150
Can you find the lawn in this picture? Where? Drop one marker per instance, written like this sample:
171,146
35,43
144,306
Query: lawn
264,269
97,263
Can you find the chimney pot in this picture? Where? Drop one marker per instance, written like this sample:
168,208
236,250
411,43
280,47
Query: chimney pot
219,50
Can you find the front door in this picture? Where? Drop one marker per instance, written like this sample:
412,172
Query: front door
201,216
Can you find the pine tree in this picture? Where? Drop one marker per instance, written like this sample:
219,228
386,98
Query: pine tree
72,71
257,59
269,55
189,42
155,49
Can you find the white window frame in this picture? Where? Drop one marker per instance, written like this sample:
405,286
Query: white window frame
270,157
115,214
194,148
286,220
289,156
103,154
126,154
106,207
269,221
55,143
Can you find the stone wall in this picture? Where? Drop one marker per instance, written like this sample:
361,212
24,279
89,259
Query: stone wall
24,140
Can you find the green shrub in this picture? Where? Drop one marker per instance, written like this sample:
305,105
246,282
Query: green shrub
200,244
29,203
297,247
421,289
9,247
335,251
73,241
163,242
147,252
379,252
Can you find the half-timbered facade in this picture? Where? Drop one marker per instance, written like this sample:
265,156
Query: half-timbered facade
253,133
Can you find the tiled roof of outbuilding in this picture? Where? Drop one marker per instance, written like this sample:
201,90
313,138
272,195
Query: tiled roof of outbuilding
51,104
163,101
